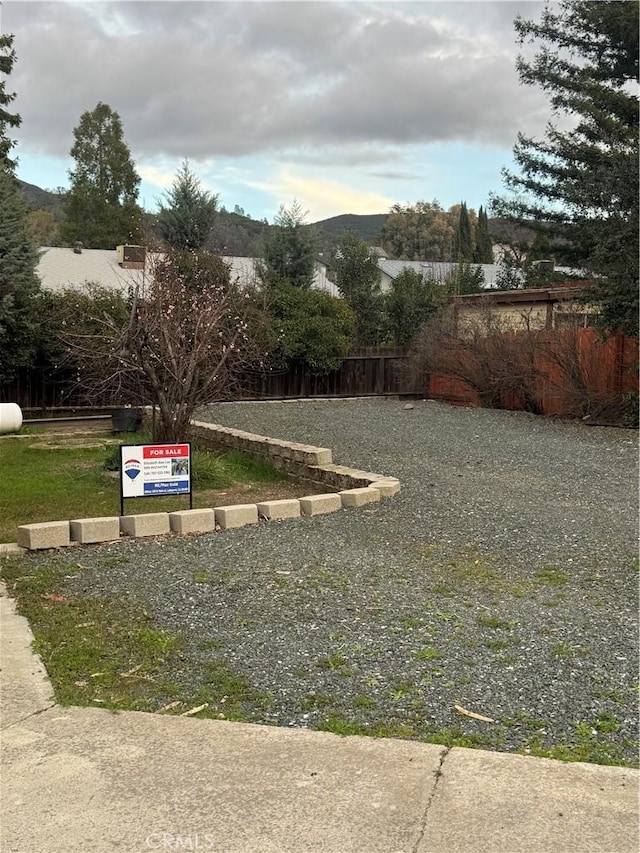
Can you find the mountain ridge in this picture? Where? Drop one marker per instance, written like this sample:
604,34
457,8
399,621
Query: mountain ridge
236,234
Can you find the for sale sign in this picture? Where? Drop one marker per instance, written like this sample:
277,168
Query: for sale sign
155,469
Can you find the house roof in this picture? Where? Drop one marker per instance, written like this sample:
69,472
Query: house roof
63,269
565,293
438,271
435,270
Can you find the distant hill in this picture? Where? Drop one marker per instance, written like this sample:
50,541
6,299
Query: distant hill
236,235
240,235
38,199
367,227
232,234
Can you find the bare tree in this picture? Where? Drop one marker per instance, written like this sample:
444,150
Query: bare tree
485,352
188,335
577,357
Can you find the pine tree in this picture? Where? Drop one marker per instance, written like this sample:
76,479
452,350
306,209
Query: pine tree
585,179
185,222
311,327
7,119
411,300
463,240
18,258
101,207
355,271
483,251
289,250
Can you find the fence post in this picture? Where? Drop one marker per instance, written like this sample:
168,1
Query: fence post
380,376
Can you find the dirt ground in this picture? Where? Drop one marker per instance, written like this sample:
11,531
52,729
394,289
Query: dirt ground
248,493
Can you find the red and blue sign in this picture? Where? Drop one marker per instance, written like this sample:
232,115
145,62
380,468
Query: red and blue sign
148,470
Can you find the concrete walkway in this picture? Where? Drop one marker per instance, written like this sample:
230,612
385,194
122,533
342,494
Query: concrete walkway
83,779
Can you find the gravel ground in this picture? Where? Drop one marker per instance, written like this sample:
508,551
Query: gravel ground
503,579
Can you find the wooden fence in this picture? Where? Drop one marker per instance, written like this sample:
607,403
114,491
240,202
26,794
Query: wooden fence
573,372
603,373
40,389
364,372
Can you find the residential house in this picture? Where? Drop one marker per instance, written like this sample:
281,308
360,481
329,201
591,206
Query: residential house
121,269
390,269
555,307
433,270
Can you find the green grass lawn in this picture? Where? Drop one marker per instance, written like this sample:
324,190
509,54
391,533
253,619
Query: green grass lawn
44,484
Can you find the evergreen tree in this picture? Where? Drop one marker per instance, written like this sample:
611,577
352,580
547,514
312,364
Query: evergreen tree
7,119
187,219
409,303
289,250
509,274
18,258
463,240
538,266
466,279
585,179
101,206
483,251
355,271
309,327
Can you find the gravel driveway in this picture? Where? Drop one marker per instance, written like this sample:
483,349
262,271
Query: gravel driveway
502,580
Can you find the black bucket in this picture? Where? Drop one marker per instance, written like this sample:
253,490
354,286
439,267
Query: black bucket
126,420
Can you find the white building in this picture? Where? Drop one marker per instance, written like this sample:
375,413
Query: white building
123,268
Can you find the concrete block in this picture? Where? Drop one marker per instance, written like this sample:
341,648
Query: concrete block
320,504
320,456
236,515
48,534
10,549
309,455
359,497
365,476
145,524
87,530
278,510
341,477
387,486
192,521
286,450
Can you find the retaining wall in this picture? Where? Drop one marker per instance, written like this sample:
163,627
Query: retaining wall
302,461
349,488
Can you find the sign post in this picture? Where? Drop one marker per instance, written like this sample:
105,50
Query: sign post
153,470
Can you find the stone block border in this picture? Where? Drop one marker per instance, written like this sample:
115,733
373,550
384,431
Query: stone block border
302,461
351,488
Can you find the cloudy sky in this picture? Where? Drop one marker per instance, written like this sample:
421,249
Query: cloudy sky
345,107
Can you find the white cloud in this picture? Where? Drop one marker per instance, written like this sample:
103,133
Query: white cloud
320,197
212,79
283,93
157,176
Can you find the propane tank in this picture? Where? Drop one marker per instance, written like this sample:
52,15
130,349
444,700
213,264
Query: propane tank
10,418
